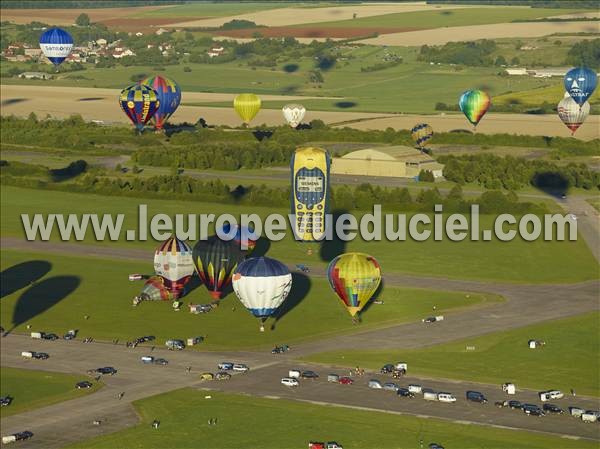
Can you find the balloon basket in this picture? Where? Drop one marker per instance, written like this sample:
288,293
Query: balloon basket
309,252
262,328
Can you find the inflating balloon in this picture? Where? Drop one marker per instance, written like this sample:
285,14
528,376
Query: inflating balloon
247,106
154,290
173,261
215,262
262,284
293,114
571,114
474,104
421,133
354,277
139,103
56,45
168,94
580,83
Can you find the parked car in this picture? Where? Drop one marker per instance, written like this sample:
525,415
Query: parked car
149,338
501,404
309,375
222,375
175,345
435,446
387,369
50,336
147,359
70,335
333,378
551,408
294,373
333,445
207,376
391,386
476,396
280,349
226,366
430,319
532,410
375,384
403,392
106,370
415,388
5,401
290,382
161,362
84,385
346,380
515,405
240,367
39,355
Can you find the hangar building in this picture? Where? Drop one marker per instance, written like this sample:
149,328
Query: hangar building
393,161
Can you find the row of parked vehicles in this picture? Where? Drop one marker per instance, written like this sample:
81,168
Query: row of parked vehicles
19,436
69,335
35,355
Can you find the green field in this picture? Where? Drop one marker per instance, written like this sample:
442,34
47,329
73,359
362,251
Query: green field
569,359
199,10
595,202
256,422
447,18
103,292
537,261
34,389
549,94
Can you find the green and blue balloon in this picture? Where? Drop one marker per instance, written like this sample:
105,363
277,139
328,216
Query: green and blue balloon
474,104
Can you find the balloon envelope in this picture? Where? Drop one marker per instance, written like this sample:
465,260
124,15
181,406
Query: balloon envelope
247,106
241,233
421,133
139,103
262,284
56,44
474,104
571,114
293,114
354,277
580,83
215,262
168,94
155,290
173,261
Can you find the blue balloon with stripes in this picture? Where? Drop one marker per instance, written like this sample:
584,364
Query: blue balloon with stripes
56,44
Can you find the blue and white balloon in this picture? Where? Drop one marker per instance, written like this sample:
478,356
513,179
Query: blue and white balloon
56,45
580,83
262,284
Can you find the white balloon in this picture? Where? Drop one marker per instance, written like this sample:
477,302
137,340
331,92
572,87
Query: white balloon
293,114
571,114
173,260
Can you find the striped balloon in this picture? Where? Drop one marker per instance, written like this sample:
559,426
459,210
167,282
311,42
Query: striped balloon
474,104
421,133
169,95
173,261
354,277
139,103
571,114
56,45
247,106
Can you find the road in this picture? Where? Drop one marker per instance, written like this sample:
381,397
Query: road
60,424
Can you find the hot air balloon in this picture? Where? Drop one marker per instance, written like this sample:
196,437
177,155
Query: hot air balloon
580,83
571,113
354,277
139,103
173,261
56,45
168,94
215,262
474,104
154,290
293,114
262,284
421,133
247,106
249,234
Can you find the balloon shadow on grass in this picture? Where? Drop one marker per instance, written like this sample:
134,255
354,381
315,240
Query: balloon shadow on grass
551,183
300,287
262,134
41,297
330,249
261,248
22,275
12,101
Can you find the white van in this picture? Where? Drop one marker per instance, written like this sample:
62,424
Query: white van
589,416
430,396
415,388
401,365
290,382
27,354
576,412
446,397
294,374
549,395
333,378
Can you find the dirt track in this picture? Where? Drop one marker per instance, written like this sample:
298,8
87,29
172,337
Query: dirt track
101,104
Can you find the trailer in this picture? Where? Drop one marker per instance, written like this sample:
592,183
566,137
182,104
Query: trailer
37,335
589,416
430,396
509,388
9,439
27,354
